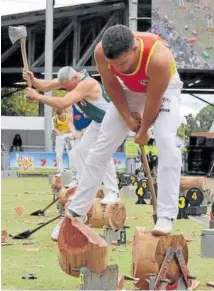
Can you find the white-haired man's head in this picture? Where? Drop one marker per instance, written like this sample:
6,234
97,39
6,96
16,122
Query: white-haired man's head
68,78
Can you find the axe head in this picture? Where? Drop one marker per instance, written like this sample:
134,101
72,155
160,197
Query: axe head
17,32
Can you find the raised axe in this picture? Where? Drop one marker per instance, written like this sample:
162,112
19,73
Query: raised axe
20,33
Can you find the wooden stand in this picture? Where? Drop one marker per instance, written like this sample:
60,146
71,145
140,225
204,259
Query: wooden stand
113,216
149,252
79,246
188,182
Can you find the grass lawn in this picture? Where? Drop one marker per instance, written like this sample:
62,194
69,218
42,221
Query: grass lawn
38,255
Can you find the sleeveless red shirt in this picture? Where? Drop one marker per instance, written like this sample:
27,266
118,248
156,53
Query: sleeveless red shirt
138,80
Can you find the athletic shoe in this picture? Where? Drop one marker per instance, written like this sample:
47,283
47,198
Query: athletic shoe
163,226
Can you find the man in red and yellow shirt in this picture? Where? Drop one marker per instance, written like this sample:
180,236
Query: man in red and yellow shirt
140,76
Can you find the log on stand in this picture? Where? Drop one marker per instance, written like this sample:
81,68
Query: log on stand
57,182
188,182
113,215
149,252
79,246
65,193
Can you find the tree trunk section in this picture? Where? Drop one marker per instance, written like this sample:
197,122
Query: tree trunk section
79,246
149,252
113,216
188,182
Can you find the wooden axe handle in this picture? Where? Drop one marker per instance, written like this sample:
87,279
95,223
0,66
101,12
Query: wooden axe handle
148,174
24,59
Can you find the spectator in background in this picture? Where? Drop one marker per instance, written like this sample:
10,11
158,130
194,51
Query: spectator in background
17,144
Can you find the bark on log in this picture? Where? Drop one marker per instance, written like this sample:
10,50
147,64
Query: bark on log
65,193
149,252
113,216
188,182
57,182
80,246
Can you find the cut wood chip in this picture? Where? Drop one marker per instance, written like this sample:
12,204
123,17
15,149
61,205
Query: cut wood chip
210,283
3,236
188,239
195,284
120,283
19,210
32,249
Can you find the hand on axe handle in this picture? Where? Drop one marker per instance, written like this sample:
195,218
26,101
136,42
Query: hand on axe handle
32,94
28,75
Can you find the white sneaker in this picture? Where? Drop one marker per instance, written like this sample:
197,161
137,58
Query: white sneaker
110,198
163,226
72,184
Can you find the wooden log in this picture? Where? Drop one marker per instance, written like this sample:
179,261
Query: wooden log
65,193
113,215
4,236
100,193
149,251
188,182
79,246
56,182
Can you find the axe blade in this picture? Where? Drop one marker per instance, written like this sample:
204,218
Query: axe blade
17,32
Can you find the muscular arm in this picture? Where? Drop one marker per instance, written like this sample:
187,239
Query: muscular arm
76,95
111,84
46,85
159,77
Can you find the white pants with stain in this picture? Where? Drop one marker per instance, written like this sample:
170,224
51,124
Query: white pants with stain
111,135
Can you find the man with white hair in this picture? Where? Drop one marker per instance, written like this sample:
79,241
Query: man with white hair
90,96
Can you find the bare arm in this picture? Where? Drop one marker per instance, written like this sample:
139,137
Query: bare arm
113,87
42,85
159,77
76,95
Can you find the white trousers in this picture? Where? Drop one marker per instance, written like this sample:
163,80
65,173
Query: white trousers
112,133
62,141
80,153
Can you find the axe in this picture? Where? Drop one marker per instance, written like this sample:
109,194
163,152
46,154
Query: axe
151,186
28,233
20,33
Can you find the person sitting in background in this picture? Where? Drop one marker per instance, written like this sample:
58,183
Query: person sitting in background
17,144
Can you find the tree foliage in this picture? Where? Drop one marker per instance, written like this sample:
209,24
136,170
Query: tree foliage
202,122
14,103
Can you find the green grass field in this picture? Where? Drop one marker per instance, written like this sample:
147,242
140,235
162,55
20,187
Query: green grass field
38,255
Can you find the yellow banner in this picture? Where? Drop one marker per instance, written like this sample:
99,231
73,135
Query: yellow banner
131,149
